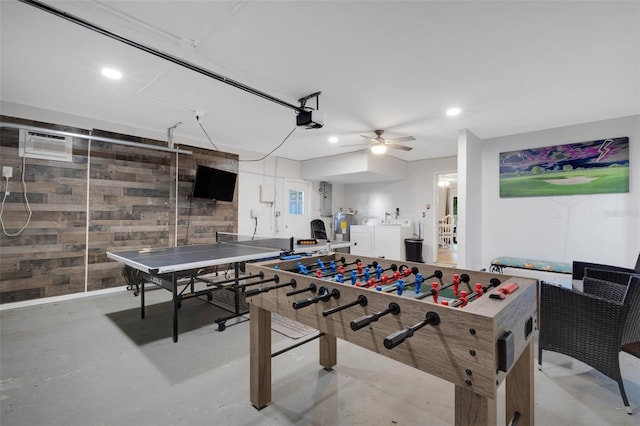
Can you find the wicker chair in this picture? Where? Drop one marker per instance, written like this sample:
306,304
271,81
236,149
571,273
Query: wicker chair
579,268
592,326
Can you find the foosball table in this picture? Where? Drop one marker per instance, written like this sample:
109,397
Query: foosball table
473,329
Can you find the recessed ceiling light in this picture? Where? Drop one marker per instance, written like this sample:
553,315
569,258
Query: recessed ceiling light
452,112
333,139
111,73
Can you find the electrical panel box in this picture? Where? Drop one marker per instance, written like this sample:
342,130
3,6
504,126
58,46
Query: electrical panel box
325,199
267,194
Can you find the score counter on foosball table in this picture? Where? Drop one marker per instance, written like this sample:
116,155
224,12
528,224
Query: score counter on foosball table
473,329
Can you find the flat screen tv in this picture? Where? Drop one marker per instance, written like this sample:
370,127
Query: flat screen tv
214,184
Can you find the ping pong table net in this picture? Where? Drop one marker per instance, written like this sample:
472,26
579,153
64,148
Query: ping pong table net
284,244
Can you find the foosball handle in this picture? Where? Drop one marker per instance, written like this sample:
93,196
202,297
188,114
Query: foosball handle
398,337
303,303
358,323
364,321
323,295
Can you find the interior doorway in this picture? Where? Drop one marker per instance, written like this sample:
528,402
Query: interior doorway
446,219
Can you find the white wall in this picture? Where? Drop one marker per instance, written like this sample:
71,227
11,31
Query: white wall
411,196
270,174
602,228
470,194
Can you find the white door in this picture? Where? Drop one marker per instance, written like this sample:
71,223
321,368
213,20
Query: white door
296,209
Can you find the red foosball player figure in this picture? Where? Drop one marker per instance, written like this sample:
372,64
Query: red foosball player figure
456,283
463,298
436,291
479,289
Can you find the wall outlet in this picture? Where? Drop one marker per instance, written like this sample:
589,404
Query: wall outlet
7,172
256,213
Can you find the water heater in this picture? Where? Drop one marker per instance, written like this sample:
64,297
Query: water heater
342,226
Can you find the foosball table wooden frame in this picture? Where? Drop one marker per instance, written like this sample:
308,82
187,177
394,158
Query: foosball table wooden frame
475,347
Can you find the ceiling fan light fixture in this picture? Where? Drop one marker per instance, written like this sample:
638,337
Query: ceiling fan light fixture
378,149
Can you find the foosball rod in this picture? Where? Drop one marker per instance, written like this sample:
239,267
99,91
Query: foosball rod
211,283
361,322
275,279
312,288
418,281
398,337
295,345
396,276
267,289
379,279
371,265
463,278
380,270
314,265
494,282
304,269
324,295
361,300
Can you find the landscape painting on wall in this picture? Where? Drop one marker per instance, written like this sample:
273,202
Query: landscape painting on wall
595,167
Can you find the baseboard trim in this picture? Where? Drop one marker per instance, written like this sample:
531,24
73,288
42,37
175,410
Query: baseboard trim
62,298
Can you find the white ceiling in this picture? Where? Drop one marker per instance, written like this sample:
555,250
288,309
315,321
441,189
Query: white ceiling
511,66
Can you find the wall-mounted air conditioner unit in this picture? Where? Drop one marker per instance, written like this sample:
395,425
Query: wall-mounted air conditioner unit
45,146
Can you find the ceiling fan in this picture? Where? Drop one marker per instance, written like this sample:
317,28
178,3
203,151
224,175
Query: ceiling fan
379,145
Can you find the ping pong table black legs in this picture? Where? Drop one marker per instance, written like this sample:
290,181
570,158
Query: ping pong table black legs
174,279
236,297
237,288
141,299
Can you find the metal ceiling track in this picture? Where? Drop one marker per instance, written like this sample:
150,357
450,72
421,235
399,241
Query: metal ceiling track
163,55
94,138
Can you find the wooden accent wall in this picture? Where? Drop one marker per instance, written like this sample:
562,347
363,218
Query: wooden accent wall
131,204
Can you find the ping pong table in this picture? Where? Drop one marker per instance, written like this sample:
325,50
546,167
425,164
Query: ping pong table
179,269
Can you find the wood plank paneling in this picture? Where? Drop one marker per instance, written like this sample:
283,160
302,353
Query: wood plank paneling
49,254
132,203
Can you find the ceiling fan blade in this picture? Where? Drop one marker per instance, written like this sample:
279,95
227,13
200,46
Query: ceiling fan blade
357,144
402,147
369,138
402,139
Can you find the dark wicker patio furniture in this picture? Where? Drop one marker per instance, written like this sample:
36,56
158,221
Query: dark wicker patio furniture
595,325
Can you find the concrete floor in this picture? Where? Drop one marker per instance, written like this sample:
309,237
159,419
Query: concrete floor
93,361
